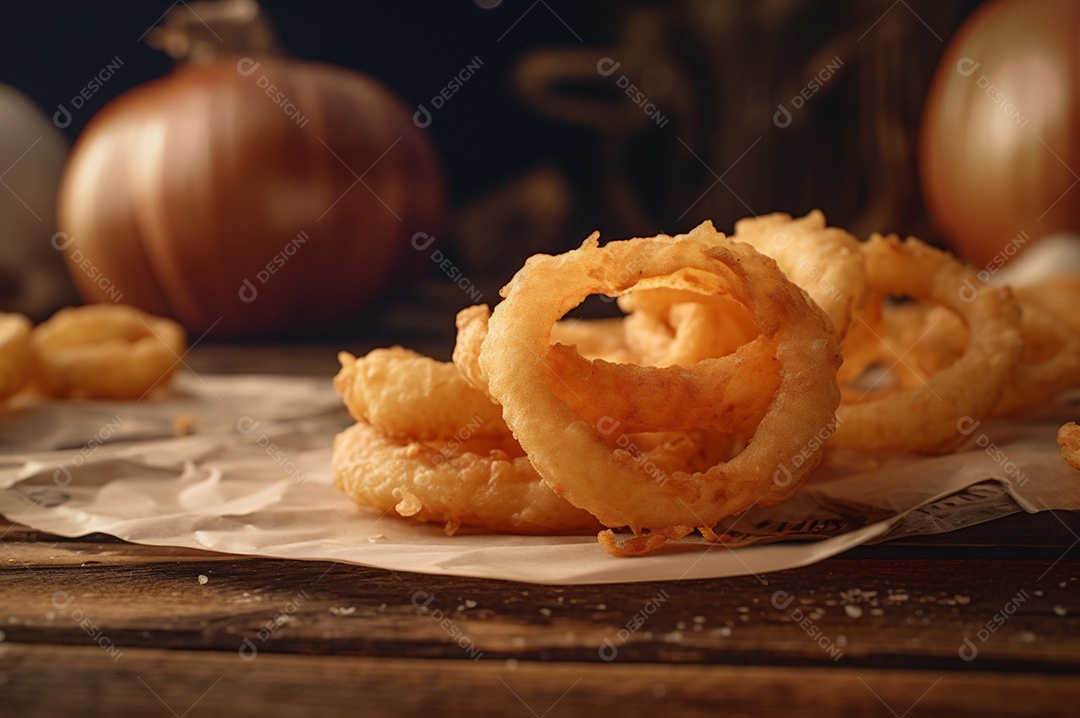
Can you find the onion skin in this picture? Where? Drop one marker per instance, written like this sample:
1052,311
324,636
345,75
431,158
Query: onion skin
996,165
183,189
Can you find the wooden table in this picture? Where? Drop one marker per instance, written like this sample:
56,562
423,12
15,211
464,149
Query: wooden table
983,621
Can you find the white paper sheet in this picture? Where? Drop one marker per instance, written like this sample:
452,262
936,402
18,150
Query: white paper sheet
253,478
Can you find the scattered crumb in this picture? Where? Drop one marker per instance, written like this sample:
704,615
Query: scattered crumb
962,600
673,637
342,611
681,625
699,619
1060,610
1037,593
1028,637
877,612
601,607
183,424
203,579
743,609
841,640
469,603
852,610
545,611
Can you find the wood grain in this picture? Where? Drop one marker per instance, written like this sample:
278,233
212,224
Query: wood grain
187,683
867,612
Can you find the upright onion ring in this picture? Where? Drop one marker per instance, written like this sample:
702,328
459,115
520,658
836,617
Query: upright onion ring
643,399
570,454
825,261
924,418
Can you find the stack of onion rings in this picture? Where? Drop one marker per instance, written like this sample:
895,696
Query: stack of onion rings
737,364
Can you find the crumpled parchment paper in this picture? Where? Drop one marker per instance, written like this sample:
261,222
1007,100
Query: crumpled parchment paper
253,478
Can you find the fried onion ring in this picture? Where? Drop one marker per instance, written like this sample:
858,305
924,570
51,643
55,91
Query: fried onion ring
644,399
674,326
487,484
825,261
568,452
16,358
923,419
406,395
105,351
1068,439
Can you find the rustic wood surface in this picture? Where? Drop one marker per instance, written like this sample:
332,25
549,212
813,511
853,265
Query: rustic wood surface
984,621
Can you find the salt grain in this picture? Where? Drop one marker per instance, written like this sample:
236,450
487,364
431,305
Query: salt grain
203,580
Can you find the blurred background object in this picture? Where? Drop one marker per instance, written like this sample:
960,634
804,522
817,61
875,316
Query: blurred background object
553,119
246,193
1000,151
33,279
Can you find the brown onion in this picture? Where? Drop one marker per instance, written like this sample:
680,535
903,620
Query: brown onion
255,196
1000,144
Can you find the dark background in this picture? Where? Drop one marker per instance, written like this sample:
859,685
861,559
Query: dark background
527,175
